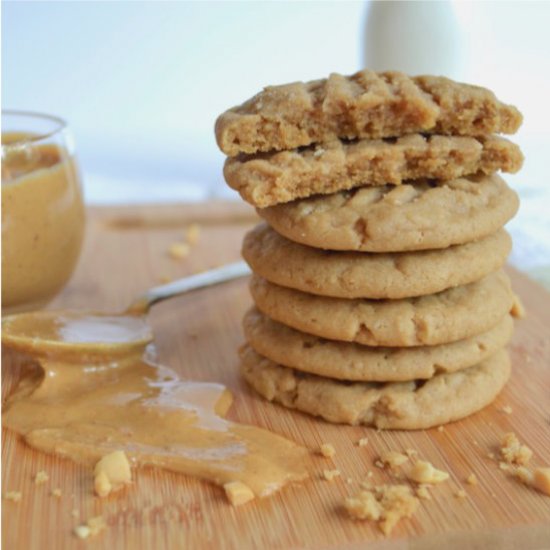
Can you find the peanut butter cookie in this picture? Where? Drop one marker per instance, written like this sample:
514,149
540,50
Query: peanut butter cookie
389,218
447,316
396,405
272,178
376,276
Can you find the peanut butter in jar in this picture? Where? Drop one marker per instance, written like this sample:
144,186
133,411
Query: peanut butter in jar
42,210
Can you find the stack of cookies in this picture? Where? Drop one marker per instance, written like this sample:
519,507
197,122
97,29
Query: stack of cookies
378,290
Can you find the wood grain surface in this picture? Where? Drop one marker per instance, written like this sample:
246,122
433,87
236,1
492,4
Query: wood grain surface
126,252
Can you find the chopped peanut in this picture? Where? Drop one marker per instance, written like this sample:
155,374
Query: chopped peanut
424,472
238,493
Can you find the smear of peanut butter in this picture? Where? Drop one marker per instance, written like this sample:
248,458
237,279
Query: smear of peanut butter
94,386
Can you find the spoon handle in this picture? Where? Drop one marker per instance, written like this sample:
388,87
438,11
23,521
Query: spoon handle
181,286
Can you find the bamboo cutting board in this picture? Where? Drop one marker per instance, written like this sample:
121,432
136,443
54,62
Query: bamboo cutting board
125,253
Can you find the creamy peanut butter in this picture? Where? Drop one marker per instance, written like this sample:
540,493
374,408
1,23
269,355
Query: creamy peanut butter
94,387
42,220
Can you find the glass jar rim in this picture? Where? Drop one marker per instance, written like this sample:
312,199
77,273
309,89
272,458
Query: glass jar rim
60,125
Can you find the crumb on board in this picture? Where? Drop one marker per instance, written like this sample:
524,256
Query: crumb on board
513,452
423,493
507,409
471,479
349,480
179,251
56,492
192,233
330,475
14,496
411,452
441,428
111,473
424,472
461,493
385,504
75,513
491,456
541,480
41,477
363,442
393,459
93,527
238,493
327,450
379,464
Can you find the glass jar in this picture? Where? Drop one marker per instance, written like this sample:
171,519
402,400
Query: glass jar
42,209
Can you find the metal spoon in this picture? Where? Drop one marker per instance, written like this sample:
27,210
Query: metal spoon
84,332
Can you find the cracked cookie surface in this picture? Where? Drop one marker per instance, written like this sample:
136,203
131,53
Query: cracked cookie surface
395,405
272,178
389,218
357,362
448,316
376,276
363,105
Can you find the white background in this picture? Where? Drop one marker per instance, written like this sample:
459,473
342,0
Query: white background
141,83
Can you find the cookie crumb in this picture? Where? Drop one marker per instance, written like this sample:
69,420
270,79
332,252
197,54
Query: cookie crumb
461,493
491,456
41,477
112,472
507,409
363,442
440,428
93,527
393,459
541,480
329,475
82,531
327,450
192,234
179,251
513,452
14,496
386,505
238,493
424,472
411,452
349,480
471,479
56,493
524,475
423,493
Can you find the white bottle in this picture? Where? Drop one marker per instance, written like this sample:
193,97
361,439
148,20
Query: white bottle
416,38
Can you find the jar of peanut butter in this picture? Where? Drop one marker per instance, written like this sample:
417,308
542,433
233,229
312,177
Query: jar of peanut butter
42,209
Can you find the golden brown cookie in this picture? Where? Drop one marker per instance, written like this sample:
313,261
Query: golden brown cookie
350,361
391,218
447,316
363,105
395,405
376,276
272,178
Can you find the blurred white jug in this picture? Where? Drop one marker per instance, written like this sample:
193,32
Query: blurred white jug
421,37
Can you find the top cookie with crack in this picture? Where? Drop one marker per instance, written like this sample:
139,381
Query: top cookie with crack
389,218
272,178
363,105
